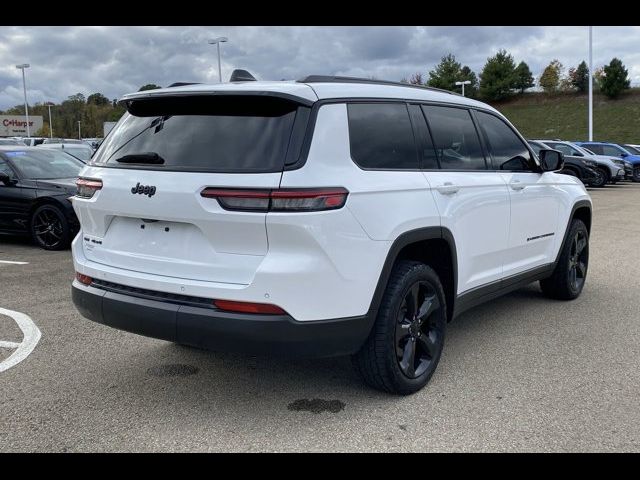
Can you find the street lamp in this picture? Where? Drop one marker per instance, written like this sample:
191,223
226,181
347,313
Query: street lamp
79,137
50,122
24,88
217,42
466,82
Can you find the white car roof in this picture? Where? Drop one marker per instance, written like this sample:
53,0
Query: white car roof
313,91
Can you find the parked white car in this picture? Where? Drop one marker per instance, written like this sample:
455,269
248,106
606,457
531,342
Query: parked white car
81,150
325,216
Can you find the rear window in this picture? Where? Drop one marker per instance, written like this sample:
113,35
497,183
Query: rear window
232,134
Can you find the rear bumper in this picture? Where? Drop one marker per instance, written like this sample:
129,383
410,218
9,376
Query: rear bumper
216,330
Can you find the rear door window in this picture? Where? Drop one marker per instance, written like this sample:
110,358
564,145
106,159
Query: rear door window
226,134
597,149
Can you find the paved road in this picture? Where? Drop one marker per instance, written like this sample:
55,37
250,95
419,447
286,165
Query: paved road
522,373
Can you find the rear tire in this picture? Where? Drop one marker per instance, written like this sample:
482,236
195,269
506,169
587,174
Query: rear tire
570,274
404,346
50,228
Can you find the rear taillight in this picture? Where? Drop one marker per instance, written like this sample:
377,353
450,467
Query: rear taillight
248,307
284,200
84,279
87,187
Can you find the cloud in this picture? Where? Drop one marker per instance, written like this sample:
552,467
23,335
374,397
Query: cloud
118,60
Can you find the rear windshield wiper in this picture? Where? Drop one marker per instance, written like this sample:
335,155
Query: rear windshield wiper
147,157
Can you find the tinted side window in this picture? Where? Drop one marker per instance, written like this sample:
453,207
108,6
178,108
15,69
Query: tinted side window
597,149
381,136
5,169
609,150
508,152
566,149
426,151
455,138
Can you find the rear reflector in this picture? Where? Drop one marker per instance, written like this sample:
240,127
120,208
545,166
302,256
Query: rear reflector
84,279
87,187
246,307
285,200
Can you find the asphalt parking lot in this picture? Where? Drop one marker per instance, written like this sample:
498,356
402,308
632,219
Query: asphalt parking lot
522,373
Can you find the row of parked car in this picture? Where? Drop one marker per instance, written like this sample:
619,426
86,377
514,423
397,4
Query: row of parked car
81,149
596,163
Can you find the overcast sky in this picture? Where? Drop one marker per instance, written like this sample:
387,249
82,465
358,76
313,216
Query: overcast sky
118,60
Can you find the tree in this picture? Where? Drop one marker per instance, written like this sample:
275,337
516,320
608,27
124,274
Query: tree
498,78
416,79
550,78
97,99
149,86
77,98
44,131
446,73
580,77
615,79
524,77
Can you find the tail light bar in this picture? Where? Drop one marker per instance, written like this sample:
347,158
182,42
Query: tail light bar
282,200
87,187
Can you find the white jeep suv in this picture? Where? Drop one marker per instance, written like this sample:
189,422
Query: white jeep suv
325,216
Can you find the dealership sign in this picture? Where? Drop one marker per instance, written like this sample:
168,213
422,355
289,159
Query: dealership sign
16,125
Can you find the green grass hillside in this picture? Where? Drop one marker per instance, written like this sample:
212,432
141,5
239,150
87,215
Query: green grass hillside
564,116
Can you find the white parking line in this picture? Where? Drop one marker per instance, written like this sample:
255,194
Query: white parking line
31,336
14,263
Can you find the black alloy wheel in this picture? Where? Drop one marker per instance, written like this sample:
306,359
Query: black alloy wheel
417,336
404,346
578,257
601,178
50,228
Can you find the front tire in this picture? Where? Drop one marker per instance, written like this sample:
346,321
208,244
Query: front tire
404,346
570,273
601,179
50,228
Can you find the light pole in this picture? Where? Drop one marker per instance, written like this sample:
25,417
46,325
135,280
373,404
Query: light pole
79,137
50,122
217,42
24,88
590,84
466,82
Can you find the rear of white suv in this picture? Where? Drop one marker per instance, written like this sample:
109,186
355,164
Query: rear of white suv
319,218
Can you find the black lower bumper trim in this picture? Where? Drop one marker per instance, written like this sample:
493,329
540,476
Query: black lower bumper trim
216,330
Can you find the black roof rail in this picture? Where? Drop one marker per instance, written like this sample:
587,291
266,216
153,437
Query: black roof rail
182,84
336,79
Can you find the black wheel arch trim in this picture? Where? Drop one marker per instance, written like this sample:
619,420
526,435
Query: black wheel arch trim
404,240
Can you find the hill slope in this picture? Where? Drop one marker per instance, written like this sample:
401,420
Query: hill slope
564,116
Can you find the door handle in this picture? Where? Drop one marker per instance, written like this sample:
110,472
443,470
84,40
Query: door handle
517,185
448,188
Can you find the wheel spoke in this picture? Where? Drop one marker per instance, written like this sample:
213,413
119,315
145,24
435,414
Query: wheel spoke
581,244
407,364
430,305
573,277
412,301
581,269
427,344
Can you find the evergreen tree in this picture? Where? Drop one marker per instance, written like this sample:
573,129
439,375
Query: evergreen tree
498,78
615,79
524,77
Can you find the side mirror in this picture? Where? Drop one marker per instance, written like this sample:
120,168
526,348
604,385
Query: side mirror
6,179
551,160
624,154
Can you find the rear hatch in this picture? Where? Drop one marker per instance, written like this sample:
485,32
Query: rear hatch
149,215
